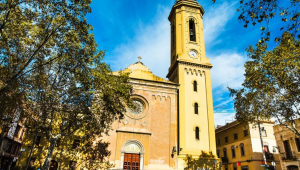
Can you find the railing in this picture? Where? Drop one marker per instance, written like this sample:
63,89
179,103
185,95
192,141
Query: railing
224,160
289,157
269,156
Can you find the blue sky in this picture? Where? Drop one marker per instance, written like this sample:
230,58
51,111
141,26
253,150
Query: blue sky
127,29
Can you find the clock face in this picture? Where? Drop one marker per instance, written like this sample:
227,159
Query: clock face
193,53
139,107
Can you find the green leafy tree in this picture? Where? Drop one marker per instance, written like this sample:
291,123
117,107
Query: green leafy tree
205,161
49,62
33,34
271,87
263,12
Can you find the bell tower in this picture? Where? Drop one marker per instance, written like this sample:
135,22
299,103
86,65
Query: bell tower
190,68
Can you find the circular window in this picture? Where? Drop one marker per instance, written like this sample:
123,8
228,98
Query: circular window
140,107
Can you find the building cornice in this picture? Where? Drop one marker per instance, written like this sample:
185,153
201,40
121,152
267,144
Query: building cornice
193,4
178,62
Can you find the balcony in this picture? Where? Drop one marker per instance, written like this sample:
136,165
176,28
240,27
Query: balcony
224,160
289,157
269,156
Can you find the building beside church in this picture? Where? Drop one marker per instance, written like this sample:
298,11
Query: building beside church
288,146
240,148
174,117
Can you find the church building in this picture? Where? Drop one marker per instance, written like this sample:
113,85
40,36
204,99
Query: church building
173,118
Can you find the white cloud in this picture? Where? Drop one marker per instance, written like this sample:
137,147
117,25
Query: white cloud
152,42
223,118
228,70
215,20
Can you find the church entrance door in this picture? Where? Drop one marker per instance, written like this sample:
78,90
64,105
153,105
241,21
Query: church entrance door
131,161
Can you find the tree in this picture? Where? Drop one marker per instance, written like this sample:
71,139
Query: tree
205,161
263,12
49,62
271,87
33,34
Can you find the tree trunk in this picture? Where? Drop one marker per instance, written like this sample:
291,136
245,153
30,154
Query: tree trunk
31,149
49,154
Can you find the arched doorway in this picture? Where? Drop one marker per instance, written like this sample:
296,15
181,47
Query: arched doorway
132,155
292,167
53,165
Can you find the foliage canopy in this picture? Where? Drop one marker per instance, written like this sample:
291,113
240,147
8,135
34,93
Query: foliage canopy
271,87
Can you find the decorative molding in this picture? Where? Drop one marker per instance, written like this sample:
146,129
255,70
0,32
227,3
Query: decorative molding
194,64
194,71
144,123
125,121
127,131
191,9
160,97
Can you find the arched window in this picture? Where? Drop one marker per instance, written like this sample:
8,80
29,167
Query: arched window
233,151
197,133
242,149
196,108
192,30
195,85
224,152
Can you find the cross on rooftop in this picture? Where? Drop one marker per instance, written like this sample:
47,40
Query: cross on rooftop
139,58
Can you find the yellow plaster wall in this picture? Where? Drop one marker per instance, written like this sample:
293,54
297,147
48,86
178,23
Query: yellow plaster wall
252,147
184,70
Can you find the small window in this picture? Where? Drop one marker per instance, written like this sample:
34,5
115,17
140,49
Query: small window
197,133
244,168
218,153
219,142
196,108
226,139
266,148
242,149
192,30
297,140
72,165
17,131
245,132
76,144
195,86
263,132
233,151
38,140
235,136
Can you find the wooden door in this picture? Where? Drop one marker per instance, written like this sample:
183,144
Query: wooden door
131,161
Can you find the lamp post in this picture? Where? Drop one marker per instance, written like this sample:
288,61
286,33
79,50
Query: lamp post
262,143
274,161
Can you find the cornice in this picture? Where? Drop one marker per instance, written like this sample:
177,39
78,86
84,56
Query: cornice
193,4
178,62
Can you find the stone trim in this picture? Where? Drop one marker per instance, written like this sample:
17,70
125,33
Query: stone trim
142,152
175,65
127,131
